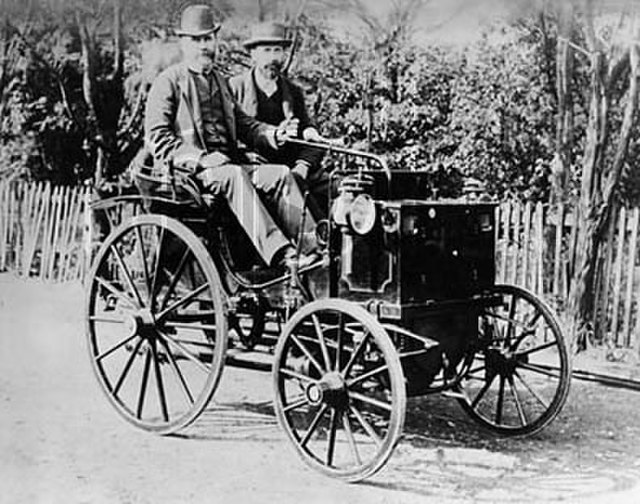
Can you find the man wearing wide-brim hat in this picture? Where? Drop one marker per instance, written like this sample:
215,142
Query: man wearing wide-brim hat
192,122
265,93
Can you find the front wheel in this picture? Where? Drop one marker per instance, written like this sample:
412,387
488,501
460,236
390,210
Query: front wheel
518,373
339,389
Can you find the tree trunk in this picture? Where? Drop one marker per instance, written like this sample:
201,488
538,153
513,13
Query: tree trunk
561,165
598,188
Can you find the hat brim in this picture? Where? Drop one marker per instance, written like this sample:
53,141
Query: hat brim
200,33
248,44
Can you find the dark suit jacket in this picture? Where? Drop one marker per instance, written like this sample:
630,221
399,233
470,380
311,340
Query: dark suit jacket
243,87
173,121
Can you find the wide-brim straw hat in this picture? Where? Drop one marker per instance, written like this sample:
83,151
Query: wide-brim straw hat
268,33
197,21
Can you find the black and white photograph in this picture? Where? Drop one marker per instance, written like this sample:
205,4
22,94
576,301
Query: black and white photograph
319,251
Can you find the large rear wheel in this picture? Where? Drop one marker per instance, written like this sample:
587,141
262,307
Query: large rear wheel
156,323
517,378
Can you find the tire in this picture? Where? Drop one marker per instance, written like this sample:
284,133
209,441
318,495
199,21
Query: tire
156,324
339,389
518,375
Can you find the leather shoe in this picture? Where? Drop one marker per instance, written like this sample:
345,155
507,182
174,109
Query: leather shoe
285,257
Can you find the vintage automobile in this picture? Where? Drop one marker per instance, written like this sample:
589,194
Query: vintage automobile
402,303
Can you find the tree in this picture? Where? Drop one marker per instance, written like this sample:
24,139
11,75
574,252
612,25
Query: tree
613,102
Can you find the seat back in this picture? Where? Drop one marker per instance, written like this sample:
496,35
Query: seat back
165,190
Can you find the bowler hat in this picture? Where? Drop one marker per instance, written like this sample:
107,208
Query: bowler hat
196,21
268,33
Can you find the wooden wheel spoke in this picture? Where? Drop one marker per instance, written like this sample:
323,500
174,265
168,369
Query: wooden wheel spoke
516,399
183,301
476,370
107,320
331,440
314,424
323,344
187,353
350,438
530,328
510,321
307,353
298,376
370,400
143,259
482,392
177,372
117,293
127,275
500,404
512,316
296,404
366,425
127,367
356,354
339,342
143,384
115,347
538,348
531,391
550,371
156,266
367,375
159,382
175,278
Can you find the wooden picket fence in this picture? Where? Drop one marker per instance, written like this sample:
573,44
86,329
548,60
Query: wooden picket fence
43,229
45,232
533,250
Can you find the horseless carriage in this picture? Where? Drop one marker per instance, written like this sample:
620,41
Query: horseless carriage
402,303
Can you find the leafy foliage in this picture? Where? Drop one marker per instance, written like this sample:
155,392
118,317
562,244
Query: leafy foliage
484,112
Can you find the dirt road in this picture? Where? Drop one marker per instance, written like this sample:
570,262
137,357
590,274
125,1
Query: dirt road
61,442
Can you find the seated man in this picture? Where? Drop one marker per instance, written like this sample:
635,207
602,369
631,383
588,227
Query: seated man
262,92
192,121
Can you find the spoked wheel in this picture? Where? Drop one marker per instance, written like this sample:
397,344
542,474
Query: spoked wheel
339,389
156,323
518,378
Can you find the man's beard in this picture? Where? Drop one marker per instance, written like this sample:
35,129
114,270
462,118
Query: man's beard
205,61
272,70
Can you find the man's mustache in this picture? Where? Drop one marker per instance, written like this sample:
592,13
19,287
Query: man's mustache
276,66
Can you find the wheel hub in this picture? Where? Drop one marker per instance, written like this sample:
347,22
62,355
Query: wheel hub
141,323
330,389
501,361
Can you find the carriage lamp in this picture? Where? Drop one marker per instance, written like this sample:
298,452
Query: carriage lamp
362,214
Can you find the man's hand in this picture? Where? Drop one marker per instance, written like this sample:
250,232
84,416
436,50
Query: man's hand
287,129
213,160
255,158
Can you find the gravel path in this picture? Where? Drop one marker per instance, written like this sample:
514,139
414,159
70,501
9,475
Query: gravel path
61,442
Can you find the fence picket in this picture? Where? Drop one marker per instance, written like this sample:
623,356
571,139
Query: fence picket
45,231
631,261
515,248
526,245
617,274
557,254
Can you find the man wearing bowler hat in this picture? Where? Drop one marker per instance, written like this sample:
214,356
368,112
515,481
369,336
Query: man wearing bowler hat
192,122
264,93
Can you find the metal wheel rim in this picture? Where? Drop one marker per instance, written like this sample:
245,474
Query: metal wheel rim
352,429
536,375
157,350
